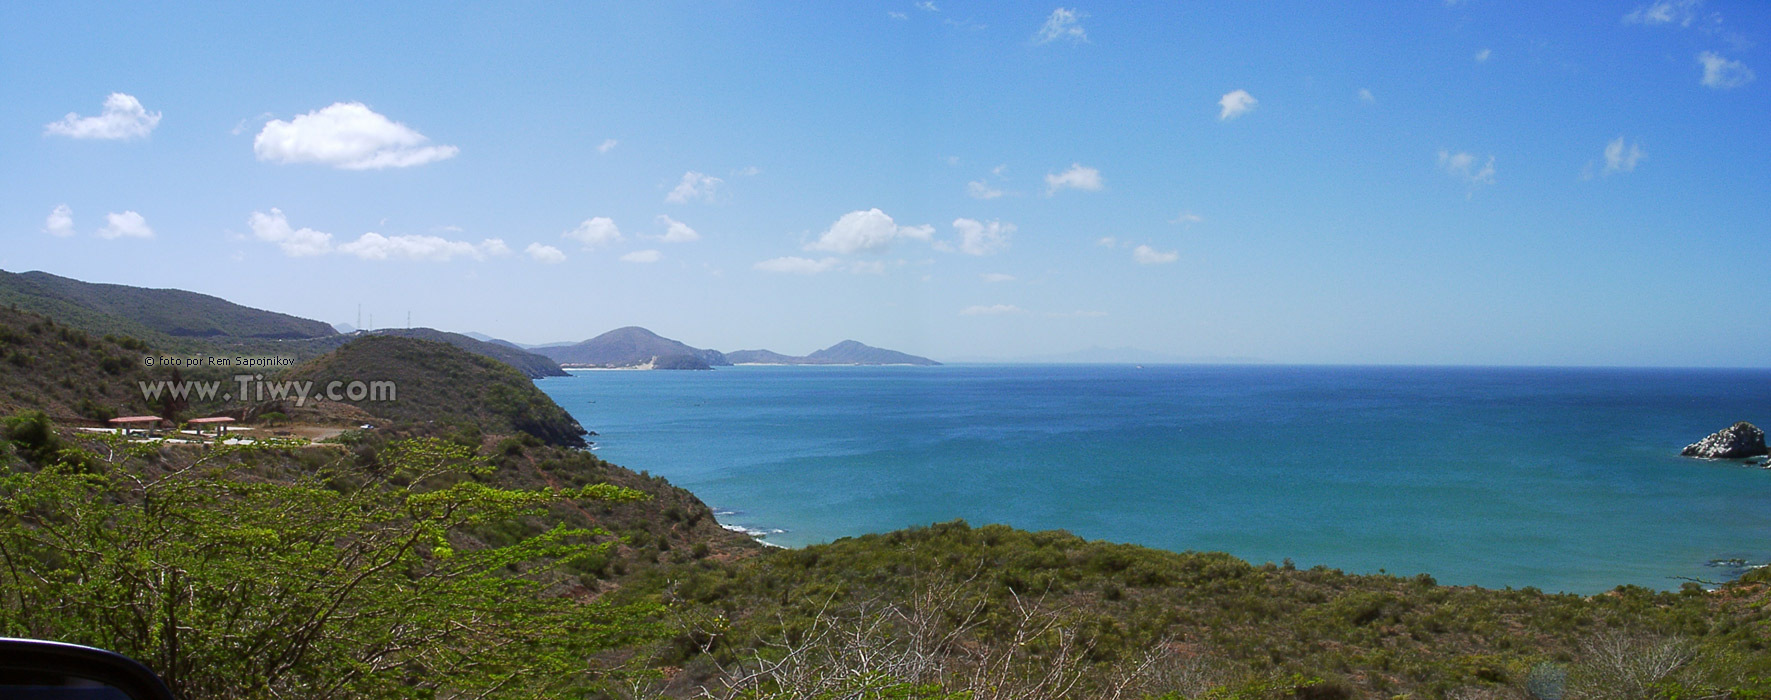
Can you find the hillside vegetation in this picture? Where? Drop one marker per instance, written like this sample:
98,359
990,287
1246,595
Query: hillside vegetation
150,314
995,612
439,384
73,375
530,364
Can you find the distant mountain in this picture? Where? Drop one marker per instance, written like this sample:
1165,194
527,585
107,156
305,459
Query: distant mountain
170,319
530,364
763,357
633,347
847,352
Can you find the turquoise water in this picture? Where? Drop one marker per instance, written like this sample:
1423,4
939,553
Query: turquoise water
1563,479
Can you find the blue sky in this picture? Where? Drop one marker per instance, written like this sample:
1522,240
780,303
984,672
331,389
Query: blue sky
1475,182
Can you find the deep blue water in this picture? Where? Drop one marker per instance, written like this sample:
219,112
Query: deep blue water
1563,479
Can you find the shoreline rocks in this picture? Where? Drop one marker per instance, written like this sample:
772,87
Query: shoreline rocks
1737,441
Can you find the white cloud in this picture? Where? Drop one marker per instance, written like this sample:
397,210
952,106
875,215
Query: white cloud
748,171
595,233
349,136
927,6
1145,255
1077,177
1483,55
494,247
798,266
894,14
1721,73
1621,160
1681,12
866,231
1462,166
1187,218
545,254
374,246
1107,242
675,231
982,238
1062,24
1235,104
123,118
979,189
1366,96
997,277
695,186
607,145
992,310
643,256
275,228
60,222
125,225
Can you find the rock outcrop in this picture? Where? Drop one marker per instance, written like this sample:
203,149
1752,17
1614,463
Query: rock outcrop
1735,442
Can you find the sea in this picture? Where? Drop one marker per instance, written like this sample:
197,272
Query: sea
1555,478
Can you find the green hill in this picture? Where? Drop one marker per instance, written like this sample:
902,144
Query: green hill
530,364
75,376
436,383
171,320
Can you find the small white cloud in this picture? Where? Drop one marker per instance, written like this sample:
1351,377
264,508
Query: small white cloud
1063,23
1077,177
374,246
60,222
123,118
349,136
1145,255
1483,55
1462,166
494,247
607,145
927,6
748,171
992,310
1107,242
695,186
894,14
274,228
643,256
675,231
997,277
1681,12
979,189
545,254
1366,96
1721,73
1621,160
595,233
866,231
1235,104
125,225
982,238
798,266
1187,218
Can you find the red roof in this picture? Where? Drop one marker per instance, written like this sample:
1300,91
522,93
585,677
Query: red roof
136,419
212,419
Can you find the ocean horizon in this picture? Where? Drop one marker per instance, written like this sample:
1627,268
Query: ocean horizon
1559,478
